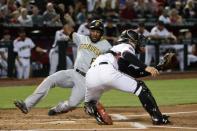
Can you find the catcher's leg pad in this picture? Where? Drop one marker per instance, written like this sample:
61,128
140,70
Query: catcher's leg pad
97,110
148,101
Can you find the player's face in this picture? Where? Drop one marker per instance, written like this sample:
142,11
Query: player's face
95,35
22,35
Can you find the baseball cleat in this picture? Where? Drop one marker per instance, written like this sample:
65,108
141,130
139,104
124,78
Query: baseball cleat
21,105
52,112
161,121
103,118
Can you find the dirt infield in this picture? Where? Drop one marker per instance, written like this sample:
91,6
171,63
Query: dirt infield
183,117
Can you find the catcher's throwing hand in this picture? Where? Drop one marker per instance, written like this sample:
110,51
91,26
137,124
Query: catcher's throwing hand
153,71
168,61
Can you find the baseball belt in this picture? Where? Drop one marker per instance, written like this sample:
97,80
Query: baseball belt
24,57
80,72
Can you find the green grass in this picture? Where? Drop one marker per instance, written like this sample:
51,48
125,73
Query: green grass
166,92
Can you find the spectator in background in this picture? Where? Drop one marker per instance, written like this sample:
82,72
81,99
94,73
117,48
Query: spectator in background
22,48
190,10
175,18
158,32
50,17
37,19
143,31
24,19
186,38
61,11
164,16
141,8
3,11
111,31
80,12
159,9
179,6
128,13
4,53
69,16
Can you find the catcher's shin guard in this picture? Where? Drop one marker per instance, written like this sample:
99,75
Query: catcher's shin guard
150,105
98,112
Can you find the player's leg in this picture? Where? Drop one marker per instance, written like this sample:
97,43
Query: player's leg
94,90
69,63
63,78
149,104
53,59
26,71
76,97
19,70
128,84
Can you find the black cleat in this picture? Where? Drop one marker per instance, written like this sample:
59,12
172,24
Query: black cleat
21,105
52,112
161,121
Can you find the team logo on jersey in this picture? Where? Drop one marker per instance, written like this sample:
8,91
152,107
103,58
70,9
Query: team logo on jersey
24,47
91,48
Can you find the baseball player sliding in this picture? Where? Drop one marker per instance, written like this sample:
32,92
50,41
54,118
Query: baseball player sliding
89,47
104,75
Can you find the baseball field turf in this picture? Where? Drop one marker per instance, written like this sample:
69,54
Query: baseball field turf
166,92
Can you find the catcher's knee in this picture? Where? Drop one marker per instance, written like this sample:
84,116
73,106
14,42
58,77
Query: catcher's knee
141,88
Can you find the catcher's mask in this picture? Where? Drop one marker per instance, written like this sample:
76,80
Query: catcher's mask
133,38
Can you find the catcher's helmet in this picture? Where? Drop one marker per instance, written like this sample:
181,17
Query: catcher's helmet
134,37
97,25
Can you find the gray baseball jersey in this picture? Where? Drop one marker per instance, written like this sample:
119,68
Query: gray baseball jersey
88,51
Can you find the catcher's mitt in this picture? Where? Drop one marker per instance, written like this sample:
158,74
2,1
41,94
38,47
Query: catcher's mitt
168,61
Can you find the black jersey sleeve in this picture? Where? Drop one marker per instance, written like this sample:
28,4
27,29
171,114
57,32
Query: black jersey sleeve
132,59
125,67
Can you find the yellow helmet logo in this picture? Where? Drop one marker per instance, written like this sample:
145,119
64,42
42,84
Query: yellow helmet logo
97,22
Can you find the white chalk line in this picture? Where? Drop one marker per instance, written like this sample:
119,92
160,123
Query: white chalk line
145,114
170,113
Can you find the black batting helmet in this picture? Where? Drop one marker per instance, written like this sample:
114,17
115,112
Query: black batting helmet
97,25
130,35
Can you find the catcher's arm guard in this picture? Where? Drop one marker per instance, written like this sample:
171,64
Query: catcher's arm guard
169,61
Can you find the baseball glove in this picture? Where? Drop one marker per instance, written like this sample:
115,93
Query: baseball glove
169,61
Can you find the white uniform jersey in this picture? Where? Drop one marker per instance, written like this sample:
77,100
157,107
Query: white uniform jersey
23,48
162,33
119,49
59,35
88,51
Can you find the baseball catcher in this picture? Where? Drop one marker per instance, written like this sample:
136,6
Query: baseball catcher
104,75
